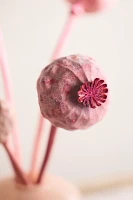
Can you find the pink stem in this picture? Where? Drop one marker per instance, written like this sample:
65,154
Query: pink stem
37,145
48,152
17,169
8,90
57,51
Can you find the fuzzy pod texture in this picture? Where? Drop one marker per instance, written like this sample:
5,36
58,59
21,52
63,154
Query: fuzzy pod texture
94,5
6,121
72,92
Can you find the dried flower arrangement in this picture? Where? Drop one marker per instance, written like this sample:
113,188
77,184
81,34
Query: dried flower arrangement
72,93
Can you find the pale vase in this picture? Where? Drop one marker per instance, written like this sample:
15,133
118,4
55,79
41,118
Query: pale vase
53,188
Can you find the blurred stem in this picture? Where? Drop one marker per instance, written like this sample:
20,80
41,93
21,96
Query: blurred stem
51,140
9,93
17,169
60,44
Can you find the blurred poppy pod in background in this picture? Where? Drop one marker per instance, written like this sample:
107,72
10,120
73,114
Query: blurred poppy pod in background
6,121
94,5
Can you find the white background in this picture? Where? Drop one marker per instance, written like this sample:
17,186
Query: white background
31,29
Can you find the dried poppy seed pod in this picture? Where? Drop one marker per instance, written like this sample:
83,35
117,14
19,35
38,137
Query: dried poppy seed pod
5,121
94,5
72,92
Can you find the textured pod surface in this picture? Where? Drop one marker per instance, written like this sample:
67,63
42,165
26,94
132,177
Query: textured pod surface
67,92
6,121
95,5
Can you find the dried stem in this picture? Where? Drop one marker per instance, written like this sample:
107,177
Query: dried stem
57,51
21,177
9,92
48,152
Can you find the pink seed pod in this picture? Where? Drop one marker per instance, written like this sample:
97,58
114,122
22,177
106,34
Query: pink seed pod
94,5
72,92
6,121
